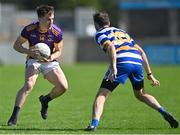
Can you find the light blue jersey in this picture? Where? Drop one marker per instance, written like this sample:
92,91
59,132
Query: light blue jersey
123,43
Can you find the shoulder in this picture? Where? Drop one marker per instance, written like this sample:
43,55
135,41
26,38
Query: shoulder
104,31
118,30
100,32
31,26
56,30
121,32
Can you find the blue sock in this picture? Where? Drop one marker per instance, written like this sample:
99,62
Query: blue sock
15,112
95,122
162,110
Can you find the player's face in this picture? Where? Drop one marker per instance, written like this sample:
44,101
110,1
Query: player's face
47,20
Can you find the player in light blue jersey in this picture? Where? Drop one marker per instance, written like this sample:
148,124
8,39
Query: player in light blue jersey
126,61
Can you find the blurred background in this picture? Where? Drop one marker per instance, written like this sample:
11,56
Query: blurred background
154,24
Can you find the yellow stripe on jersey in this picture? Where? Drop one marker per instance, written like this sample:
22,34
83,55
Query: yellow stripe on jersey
31,27
55,32
136,45
125,48
105,43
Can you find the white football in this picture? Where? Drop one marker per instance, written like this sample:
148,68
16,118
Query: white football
43,49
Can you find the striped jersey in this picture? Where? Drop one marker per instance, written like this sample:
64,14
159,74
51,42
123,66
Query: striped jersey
123,43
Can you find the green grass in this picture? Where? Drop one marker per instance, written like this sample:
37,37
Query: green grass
71,113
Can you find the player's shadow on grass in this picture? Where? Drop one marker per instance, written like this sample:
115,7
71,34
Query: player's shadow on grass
19,129
16,128
131,128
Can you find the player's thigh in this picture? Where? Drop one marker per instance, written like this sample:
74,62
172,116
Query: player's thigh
103,92
108,85
31,74
139,93
57,77
136,77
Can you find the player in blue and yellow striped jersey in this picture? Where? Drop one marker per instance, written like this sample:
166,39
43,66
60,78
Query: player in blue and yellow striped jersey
126,61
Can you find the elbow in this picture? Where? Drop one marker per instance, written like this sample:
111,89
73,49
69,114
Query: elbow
59,54
110,48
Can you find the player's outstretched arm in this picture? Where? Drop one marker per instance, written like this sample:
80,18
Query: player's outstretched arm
112,56
150,76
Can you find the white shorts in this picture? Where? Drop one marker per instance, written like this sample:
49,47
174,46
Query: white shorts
42,67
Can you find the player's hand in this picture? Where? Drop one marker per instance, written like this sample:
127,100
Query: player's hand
155,82
112,74
34,53
49,59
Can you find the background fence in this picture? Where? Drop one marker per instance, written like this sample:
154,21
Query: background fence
155,25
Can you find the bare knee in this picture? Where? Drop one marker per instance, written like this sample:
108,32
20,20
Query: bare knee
27,87
65,87
99,100
140,95
102,95
62,87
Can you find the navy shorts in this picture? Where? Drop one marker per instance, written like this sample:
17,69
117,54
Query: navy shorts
125,70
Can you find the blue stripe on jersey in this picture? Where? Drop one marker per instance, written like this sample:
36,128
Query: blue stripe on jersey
116,29
133,42
129,59
98,35
103,40
132,51
96,39
126,43
117,46
107,32
112,38
123,37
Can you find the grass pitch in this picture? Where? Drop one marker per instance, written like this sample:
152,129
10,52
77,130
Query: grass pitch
71,113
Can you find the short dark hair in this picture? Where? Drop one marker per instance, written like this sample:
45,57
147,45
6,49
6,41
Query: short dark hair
42,10
101,18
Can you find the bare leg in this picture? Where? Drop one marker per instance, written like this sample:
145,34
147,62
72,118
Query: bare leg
58,79
147,99
98,107
30,79
152,102
99,103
